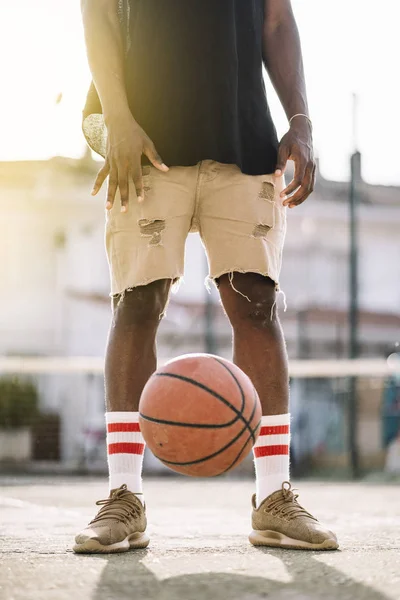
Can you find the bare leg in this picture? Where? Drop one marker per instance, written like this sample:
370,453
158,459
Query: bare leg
258,343
131,349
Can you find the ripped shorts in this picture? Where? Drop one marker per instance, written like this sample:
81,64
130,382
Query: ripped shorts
240,218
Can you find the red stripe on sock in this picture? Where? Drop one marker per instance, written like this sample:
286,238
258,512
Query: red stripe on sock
274,429
125,448
121,427
260,451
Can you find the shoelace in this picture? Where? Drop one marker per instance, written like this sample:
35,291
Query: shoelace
120,506
287,504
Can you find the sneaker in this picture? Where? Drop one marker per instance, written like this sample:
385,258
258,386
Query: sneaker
119,525
281,522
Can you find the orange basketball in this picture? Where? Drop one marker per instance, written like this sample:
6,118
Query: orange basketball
200,415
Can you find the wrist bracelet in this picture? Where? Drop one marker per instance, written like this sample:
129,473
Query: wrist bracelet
301,115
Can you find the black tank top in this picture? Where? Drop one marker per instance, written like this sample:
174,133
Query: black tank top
194,82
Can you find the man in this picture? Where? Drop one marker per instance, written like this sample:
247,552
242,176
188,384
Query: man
183,80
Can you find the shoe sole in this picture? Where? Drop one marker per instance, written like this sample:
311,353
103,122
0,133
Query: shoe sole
135,541
274,539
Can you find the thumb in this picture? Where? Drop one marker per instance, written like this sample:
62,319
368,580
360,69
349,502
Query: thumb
283,157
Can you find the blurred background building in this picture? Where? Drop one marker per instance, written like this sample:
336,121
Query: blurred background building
56,303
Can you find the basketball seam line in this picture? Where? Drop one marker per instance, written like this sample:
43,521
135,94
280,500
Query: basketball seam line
197,461
200,460
195,425
212,392
242,394
247,441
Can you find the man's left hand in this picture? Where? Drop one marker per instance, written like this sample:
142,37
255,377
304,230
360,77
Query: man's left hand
297,145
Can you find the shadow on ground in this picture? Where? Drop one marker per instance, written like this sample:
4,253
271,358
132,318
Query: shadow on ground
125,576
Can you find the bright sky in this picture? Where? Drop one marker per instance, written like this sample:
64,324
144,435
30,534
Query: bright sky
349,47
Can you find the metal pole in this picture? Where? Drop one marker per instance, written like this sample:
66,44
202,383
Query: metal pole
353,315
353,307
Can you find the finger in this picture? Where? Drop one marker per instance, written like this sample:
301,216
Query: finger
314,177
299,197
283,157
155,159
138,183
296,182
296,201
305,189
100,178
300,166
292,187
123,184
112,188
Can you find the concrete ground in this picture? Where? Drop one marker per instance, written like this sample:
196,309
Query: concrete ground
199,548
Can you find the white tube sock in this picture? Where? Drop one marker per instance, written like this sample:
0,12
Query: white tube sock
271,455
125,450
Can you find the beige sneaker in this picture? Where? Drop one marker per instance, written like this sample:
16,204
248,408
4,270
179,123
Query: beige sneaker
119,525
281,522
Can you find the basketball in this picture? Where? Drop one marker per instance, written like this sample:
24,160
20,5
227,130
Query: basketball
200,415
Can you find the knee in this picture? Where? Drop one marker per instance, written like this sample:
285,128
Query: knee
142,306
250,301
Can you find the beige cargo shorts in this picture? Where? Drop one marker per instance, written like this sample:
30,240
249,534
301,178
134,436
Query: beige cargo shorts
240,218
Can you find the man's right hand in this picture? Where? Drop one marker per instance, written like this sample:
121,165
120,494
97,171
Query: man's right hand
126,142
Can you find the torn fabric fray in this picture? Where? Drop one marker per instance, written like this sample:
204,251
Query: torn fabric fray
209,279
278,292
152,228
267,191
176,282
261,231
